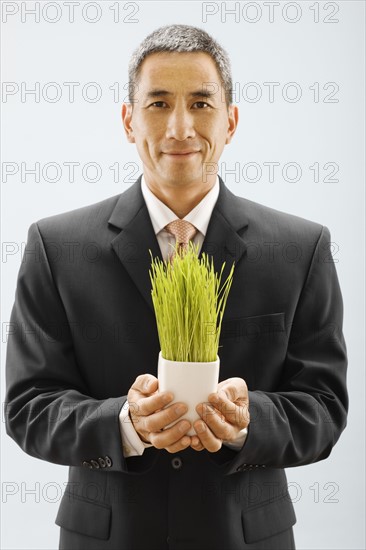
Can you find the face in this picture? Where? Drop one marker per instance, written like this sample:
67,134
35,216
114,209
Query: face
178,123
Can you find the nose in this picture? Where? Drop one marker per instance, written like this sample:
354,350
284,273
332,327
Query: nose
180,124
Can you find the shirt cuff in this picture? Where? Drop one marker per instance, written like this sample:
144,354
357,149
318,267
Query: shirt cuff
237,444
132,445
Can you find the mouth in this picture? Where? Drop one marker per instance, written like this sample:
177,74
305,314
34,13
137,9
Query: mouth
181,154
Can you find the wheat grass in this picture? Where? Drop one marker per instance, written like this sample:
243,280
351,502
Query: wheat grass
189,305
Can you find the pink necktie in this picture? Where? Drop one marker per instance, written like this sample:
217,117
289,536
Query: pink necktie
183,232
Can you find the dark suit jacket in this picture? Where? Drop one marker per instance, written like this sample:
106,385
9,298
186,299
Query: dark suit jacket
83,328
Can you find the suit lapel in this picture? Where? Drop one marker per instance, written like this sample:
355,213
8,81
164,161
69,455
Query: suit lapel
137,235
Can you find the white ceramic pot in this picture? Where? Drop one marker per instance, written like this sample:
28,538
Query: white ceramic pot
190,382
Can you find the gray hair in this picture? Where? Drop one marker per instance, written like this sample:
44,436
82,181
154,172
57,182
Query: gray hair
181,38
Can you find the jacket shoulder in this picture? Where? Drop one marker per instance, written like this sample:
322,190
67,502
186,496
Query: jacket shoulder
267,221
86,219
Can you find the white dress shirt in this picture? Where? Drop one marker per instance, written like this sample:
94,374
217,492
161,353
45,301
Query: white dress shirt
160,216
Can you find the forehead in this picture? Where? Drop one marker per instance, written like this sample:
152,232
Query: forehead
170,67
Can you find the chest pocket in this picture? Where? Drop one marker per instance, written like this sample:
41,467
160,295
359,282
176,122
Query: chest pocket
254,348
253,329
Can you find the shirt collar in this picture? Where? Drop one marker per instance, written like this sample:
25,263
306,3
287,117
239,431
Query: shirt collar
161,214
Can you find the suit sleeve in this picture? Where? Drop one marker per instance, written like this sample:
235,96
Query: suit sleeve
48,410
301,422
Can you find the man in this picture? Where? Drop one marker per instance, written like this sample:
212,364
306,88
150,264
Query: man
82,359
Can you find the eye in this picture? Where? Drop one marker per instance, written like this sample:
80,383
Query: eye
202,104
158,104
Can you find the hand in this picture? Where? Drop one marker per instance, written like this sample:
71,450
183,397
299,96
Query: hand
149,418
224,417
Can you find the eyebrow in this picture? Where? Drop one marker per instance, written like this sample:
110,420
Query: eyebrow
164,93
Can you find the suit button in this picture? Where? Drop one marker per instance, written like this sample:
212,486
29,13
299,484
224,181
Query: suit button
87,464
108,461
102,462
95,464
177,463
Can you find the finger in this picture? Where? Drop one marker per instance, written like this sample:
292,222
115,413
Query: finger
146,384
236,414
179,445
232,388
161,419
196,443
217,423
144,406
208,440
171,436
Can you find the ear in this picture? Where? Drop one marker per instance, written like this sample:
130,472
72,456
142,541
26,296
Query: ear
126,120
233,119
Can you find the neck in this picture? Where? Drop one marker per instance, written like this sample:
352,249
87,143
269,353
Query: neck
181,200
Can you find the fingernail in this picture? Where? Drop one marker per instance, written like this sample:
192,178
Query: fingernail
180,409
183,427
167,397
200,428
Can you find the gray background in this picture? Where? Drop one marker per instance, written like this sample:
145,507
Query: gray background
328,496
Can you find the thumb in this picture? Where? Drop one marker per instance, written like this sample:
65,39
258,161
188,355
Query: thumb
150,384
